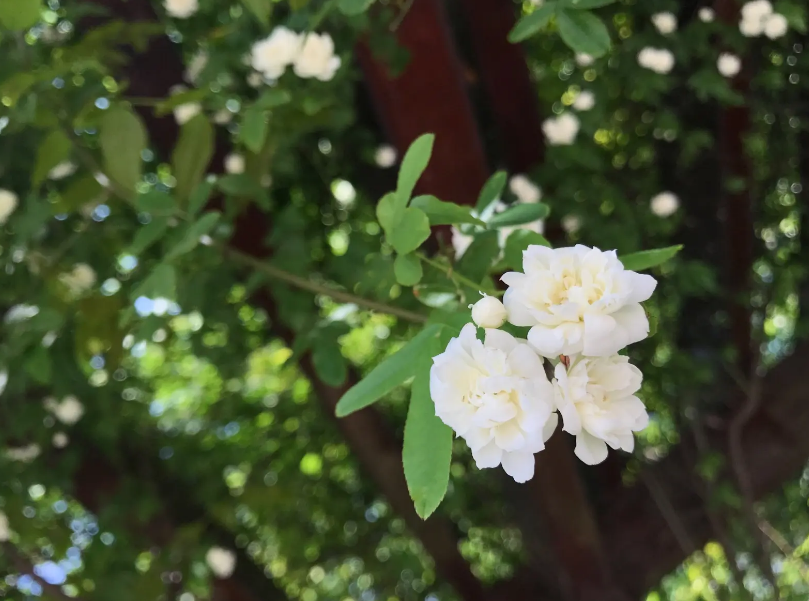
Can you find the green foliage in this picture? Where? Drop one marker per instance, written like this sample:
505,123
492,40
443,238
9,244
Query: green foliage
123,139
517,243
17,15
413,165
531,23
191,156
261,9
408,270
646,259
520,214
583,32
54,149
354,7
491,191
440,212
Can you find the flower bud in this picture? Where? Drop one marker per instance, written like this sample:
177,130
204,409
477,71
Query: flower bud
489,312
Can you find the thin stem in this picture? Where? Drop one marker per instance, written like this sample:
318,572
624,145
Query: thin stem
457,278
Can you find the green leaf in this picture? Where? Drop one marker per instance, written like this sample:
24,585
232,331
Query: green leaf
79,192
517,242
161,283
413,165
440,212
253,129
261,9
329,363
407,269
156,203
122,138
410,232
199,197
193,233
520,214
191,155
646,259
389,374
491,191
17,15
386,213
532,23
39,365
794,13
585,4
427,451
272,98
148,234
54,149
436,296
583,32
353,7
16,85
239,184
479,257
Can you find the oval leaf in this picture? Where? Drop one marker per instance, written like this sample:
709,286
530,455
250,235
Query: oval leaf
123,138
413,165
407,269
520,214
192,155
532,23
585,4
440,212
54,149
646,259
583,32
491,191
411,230
18,15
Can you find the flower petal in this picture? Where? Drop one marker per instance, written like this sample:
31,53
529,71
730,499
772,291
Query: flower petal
643,286
519,465
589,449
488,456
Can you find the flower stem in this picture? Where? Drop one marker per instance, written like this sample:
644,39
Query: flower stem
457,278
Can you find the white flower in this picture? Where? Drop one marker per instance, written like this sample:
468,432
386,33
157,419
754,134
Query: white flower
706,14
316,57
181,9
69,411
584,60
577,300
756,10
561,130
658,60
665,22
62,170
60,440
272,55
223,117
80,279
751,29
3,381
8,203
489,312
494,395
5,531
256,80
776,26
234,163
19,313
385,156
571,223
185,112
524,189
665,204
221,561
195,67
728,64
24,454
585,100
460,241
596,398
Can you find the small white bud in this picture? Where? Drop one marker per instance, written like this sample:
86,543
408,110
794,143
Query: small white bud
489,312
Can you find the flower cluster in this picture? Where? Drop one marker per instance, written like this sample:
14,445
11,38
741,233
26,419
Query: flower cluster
729,64
582,308
310,55
561,130
658,60
221,561
759,19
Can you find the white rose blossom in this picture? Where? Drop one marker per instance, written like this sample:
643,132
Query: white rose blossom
524,189
181,9
196,66
272,55
561,130
80,279
577,300
69,411
776,26
5,530
665,204
665,22
728,64
62,170
385,156
658,60
221,561
24,454
751,29
706,14
234,163
8,204
756,10
316,58
597,402
489,312
60,440
584,60
495,395
585,100
571,223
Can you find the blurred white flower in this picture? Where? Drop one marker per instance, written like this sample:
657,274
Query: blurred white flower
5,531
751,29
272,55
62,170
234,163
728,64
596,398
195,66
585,100
60,440
524,189
223,117
221,561
756,10
22,312
69,411
460,242
385,156
316,57
181,9
495,395
561,130
24,454
665,204
577,300
489,312
571,223
706,14
183,113
256,80
665,22
3,381
776,26
658,60
8,203
80,279
584,60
